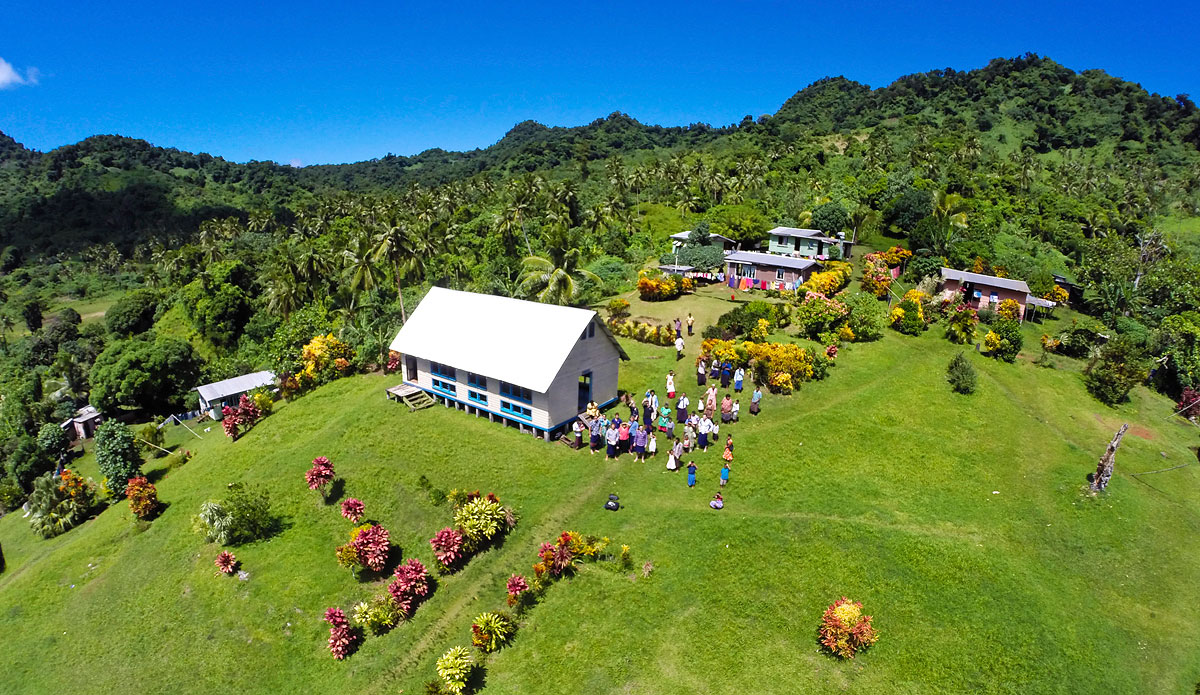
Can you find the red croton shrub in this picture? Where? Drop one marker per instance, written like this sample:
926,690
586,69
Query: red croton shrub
371,547
320,475
845,630
516,586
236,421
142,496
341,636
447,547
410,586
226,562
353,509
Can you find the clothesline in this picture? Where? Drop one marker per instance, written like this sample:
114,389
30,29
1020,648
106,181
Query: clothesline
753,284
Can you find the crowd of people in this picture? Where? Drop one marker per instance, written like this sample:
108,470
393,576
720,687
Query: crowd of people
682,425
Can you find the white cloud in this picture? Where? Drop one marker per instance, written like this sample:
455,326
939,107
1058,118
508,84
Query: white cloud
296,163
11,77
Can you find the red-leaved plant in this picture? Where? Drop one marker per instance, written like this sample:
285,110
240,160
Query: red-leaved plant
371,547
845,630
143,497
516,586
447,547
353,510
341,637
1189,403
231,421
411,584
320,475
226,562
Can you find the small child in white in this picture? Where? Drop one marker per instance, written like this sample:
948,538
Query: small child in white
737,407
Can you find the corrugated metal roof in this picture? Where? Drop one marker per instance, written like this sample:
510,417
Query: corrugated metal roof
1038,301
989,280
770,259
523,343
795,231
238,384
687,236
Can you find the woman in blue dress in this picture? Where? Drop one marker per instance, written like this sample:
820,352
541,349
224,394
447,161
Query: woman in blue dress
691,474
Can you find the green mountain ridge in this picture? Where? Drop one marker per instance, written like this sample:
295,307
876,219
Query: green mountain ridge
125,190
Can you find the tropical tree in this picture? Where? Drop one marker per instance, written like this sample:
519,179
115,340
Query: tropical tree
552,278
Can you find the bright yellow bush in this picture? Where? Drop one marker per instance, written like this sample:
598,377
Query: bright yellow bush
321,353
1009,309
991,341
1057,295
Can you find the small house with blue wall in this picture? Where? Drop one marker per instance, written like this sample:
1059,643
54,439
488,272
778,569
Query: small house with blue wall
526,364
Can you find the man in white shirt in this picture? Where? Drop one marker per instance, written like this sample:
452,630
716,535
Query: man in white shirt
706,428
678,348
681,408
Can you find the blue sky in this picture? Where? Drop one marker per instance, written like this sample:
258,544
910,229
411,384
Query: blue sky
308,83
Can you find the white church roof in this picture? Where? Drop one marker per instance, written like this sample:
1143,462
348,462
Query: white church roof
523,343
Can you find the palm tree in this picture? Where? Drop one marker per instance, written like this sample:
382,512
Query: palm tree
359,265
396,246
552,279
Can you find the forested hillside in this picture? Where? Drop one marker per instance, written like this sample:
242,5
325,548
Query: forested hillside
121,257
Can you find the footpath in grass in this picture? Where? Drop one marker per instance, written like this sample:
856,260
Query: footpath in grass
958,521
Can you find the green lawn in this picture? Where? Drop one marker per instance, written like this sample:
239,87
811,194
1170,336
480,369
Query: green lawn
958,521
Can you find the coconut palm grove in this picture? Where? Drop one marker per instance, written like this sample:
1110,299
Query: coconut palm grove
891,390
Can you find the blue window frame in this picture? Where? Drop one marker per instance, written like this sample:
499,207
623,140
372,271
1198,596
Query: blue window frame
442,370
445,387
477,397
477,381
516,410
517,393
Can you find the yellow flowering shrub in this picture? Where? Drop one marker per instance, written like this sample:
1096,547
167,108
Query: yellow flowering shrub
846,334
1057,295
324,356
1009,309
759,334
991,341
834,277
876,278
896,316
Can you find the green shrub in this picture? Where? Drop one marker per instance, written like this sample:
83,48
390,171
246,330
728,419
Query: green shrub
437,497
53,441
480,520
961,374
454,668
133,313
59,503
378,615
868,316
491,631
11,495
1120,366
243,516
1079,339
1004,341
912,322
118,455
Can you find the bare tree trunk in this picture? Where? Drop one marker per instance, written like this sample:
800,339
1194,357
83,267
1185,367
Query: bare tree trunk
1104,470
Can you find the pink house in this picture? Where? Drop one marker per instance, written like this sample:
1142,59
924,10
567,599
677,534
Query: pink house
986,291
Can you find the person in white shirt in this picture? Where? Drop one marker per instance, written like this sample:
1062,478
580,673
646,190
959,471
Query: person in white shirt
681,408
678,349
671,384
705,429
578,428
737,407
653,403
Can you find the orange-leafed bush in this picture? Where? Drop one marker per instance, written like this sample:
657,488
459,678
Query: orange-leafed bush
844,630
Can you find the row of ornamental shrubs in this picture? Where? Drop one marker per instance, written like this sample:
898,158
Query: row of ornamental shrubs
782,367
658,287
492,630
642,332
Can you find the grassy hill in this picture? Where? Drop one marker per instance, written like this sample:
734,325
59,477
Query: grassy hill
958,521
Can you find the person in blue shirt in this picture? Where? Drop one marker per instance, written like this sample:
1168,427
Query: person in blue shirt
724,475
597,433
691,474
